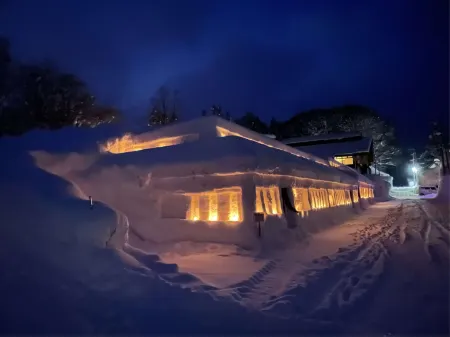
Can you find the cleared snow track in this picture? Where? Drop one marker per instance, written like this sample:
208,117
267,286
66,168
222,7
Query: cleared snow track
374,266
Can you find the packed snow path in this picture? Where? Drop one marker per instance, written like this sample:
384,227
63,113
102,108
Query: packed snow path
385,271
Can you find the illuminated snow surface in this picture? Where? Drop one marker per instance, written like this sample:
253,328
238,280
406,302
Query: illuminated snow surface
384,271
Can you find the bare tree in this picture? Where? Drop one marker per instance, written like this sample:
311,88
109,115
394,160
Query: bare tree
216,110
348,119
164,107
382,134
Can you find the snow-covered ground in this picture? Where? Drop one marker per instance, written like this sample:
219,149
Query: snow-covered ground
384,271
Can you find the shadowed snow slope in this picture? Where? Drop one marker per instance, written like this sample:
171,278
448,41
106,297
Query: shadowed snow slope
385,271
58,276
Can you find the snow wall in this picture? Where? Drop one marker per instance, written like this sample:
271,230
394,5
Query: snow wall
208,188
382,187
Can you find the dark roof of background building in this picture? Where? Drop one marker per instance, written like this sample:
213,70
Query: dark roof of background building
330,137
341,148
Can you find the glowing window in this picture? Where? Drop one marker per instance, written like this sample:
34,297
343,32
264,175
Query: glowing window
355,195
345,160
332,197
319,198
268,200
348,197
301,201
366,192
217,205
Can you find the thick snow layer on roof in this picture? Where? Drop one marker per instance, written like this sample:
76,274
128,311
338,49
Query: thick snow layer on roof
216,156
207,128
239,151
334,149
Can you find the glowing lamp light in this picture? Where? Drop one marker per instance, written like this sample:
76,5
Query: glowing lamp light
234,217
415,169
217,205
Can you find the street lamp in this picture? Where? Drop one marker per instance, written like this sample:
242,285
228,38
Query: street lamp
415,169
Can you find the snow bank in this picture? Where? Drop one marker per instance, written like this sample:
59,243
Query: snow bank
443,194
59,276
382,187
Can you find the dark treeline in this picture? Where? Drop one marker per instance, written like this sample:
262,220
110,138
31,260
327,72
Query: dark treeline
39,96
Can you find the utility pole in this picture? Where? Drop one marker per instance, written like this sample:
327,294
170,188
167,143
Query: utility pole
414,167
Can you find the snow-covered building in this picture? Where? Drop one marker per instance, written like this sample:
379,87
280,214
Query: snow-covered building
212,180
351,149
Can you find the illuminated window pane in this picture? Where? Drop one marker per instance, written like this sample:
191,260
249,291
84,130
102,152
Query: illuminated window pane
345,160
258,201
217,205
355,195
213,207
301,201
270,202
194,208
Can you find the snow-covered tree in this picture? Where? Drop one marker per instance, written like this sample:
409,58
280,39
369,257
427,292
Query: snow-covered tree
435,148
318,127
346,119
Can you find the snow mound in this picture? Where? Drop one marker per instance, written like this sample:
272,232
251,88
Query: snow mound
60,275
443,194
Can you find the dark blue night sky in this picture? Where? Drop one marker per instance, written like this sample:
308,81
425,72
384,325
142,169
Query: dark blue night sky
274,58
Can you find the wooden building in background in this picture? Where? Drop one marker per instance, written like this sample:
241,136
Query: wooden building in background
350,149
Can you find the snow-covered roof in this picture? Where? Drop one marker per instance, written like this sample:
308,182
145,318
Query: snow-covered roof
200,129
342,148
218,146
320,138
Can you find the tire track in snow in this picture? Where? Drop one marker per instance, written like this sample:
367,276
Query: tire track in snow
285,288
333,288
436,223
437,248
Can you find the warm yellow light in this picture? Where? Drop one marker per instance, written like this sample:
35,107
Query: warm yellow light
258,201
301,201
366,192
128,143
216,205
333,163
355,195
234,217
346,160
270,203
213,207
319,198
194,208
234,213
